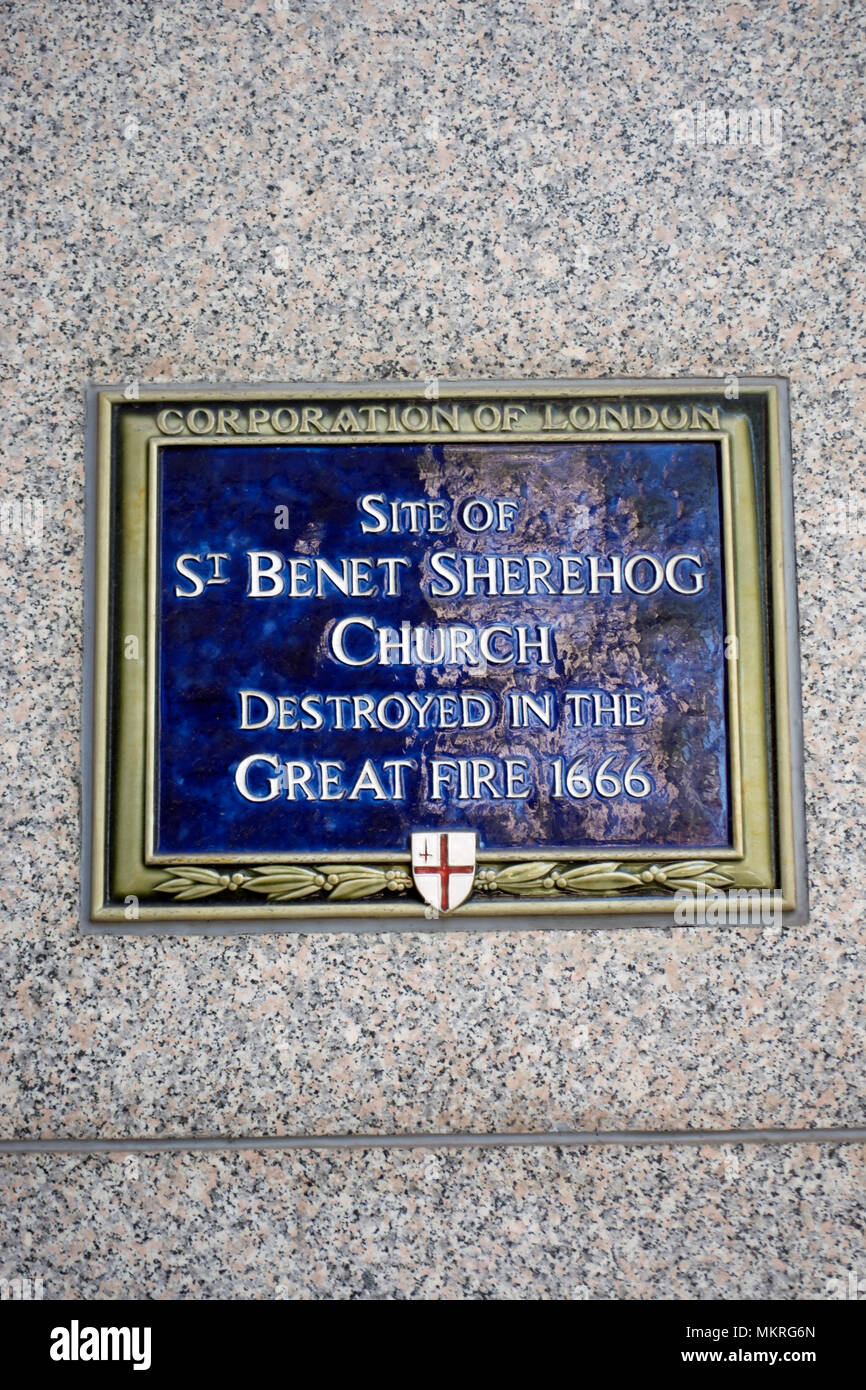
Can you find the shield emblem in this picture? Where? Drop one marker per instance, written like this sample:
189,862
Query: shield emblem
443,866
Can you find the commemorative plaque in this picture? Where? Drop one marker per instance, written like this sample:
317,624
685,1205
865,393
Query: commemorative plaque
454,654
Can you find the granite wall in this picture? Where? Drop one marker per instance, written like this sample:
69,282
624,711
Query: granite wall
289,190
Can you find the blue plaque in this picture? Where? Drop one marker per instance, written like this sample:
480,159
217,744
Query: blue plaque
364,656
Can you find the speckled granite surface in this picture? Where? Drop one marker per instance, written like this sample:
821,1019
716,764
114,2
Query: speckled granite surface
580,1224
238,191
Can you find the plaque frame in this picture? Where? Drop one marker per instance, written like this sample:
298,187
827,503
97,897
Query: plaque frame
120,868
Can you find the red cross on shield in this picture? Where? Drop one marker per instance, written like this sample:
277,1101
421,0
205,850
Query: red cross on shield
443,866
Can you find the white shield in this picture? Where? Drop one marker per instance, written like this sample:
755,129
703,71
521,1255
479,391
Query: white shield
443,866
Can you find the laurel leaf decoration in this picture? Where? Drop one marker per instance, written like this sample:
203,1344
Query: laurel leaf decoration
601,877
189,883
290,882
532,878
608,881
517,877
285,883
